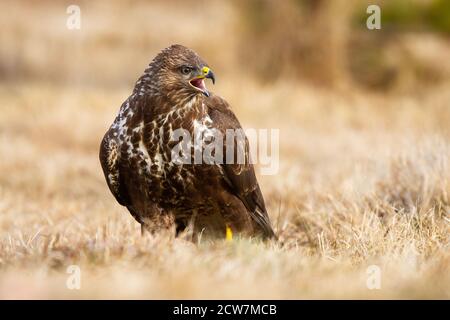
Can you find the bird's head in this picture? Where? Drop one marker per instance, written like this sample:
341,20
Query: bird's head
179,71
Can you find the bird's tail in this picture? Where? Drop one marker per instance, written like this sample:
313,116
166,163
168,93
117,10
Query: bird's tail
262,220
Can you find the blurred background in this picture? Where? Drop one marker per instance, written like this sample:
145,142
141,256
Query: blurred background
322,42
364,119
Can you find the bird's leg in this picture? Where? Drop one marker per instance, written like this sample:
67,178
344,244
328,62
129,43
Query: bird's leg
189,230
180,226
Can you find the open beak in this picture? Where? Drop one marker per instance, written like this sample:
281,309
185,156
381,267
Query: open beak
199,81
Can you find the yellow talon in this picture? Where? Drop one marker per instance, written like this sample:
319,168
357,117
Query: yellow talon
229,234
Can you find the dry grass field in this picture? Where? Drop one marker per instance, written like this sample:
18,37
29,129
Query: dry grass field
364,175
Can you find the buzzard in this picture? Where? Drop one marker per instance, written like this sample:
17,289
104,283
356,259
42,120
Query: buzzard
211,199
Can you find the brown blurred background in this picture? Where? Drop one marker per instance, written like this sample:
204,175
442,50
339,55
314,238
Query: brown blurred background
318,41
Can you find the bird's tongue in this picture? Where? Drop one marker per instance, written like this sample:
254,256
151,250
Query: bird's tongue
199,83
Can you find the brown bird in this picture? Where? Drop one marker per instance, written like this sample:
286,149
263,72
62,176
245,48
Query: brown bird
137,155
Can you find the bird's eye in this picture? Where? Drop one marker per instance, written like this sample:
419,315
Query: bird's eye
186,70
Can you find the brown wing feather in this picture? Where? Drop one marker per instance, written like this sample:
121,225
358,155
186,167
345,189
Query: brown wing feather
240,177
109,159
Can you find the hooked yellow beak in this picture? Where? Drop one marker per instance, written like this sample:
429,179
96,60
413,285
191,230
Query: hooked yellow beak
198,81
207,73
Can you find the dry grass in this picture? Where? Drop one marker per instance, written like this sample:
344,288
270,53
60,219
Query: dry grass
345,198
364,179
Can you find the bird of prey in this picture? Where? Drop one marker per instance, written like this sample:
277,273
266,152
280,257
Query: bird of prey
210,199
